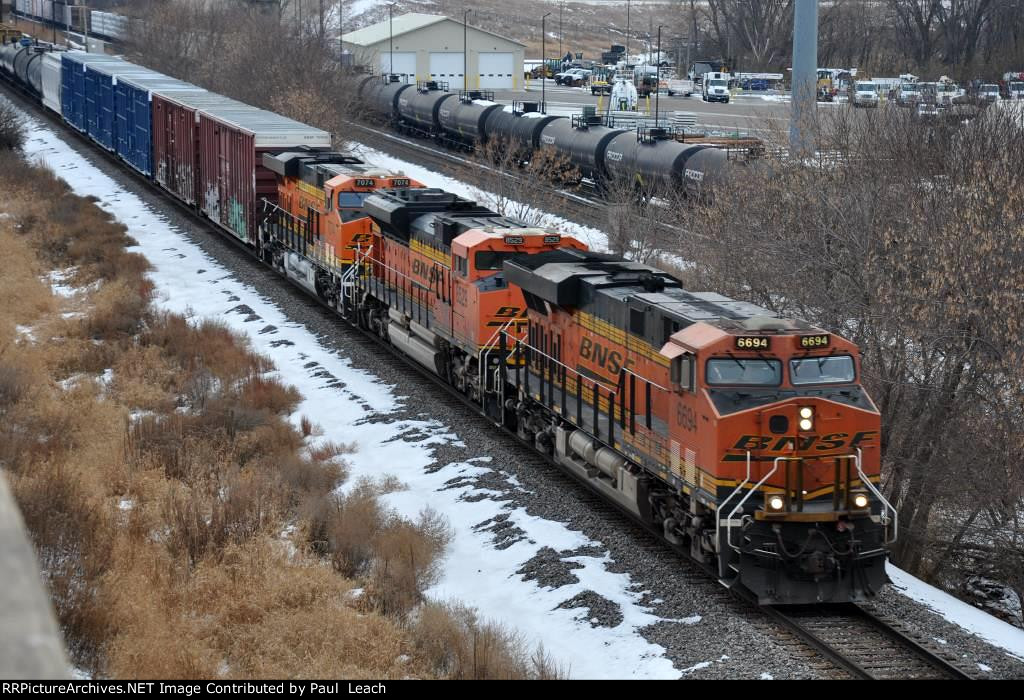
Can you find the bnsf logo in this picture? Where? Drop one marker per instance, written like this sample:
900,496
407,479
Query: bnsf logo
817,443
607,358
425,269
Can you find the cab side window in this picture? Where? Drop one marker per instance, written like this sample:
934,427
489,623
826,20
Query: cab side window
462,265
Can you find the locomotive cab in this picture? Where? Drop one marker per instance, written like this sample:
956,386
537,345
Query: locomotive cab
320,203
483,302
794,440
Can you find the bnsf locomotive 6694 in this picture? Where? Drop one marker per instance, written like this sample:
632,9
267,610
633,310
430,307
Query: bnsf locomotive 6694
745,438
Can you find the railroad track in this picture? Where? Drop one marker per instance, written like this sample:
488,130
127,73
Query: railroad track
847,637
862,644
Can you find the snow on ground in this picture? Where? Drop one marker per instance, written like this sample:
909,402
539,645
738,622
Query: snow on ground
991,629
341,397
595,239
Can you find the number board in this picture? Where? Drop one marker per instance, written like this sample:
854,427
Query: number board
365,182
809,342
400,182
514,240
552,239
753,342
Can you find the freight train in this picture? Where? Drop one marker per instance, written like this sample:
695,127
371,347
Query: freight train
744,438
649,157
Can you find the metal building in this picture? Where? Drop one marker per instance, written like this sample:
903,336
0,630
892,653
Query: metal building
430,47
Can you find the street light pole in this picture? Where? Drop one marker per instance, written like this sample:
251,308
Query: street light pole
561,6
543,64
657,81
391,40
627,32
465,51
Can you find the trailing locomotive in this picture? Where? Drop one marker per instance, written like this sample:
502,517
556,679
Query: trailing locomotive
647,157
744,437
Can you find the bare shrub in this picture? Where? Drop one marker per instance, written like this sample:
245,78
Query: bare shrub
406,562
12,126
457,644
344,528
270,395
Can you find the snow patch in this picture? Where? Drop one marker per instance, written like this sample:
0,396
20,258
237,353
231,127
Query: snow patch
981,624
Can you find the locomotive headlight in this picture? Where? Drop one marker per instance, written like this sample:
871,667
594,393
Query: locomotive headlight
860,501
775,503
806,418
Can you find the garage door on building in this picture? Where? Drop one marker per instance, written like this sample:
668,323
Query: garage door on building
447,68
496,70
404,64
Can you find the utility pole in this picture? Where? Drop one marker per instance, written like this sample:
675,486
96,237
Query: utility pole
341,34
465,51
321,42
805,76
543,64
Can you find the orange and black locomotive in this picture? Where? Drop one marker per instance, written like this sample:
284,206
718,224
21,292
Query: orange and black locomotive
745,437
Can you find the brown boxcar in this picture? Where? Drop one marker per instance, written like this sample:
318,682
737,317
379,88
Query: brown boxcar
232,141
207,152
175,141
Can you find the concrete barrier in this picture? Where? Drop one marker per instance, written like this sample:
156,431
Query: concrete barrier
31,646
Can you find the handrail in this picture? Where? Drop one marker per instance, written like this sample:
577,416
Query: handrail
610,388
643,378
755,487
738,488
878,494
484,353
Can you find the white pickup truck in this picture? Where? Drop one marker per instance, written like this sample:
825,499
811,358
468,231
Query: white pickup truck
672,86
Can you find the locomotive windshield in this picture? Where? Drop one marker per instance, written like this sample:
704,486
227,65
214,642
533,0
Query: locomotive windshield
834,369
491,260
745,371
